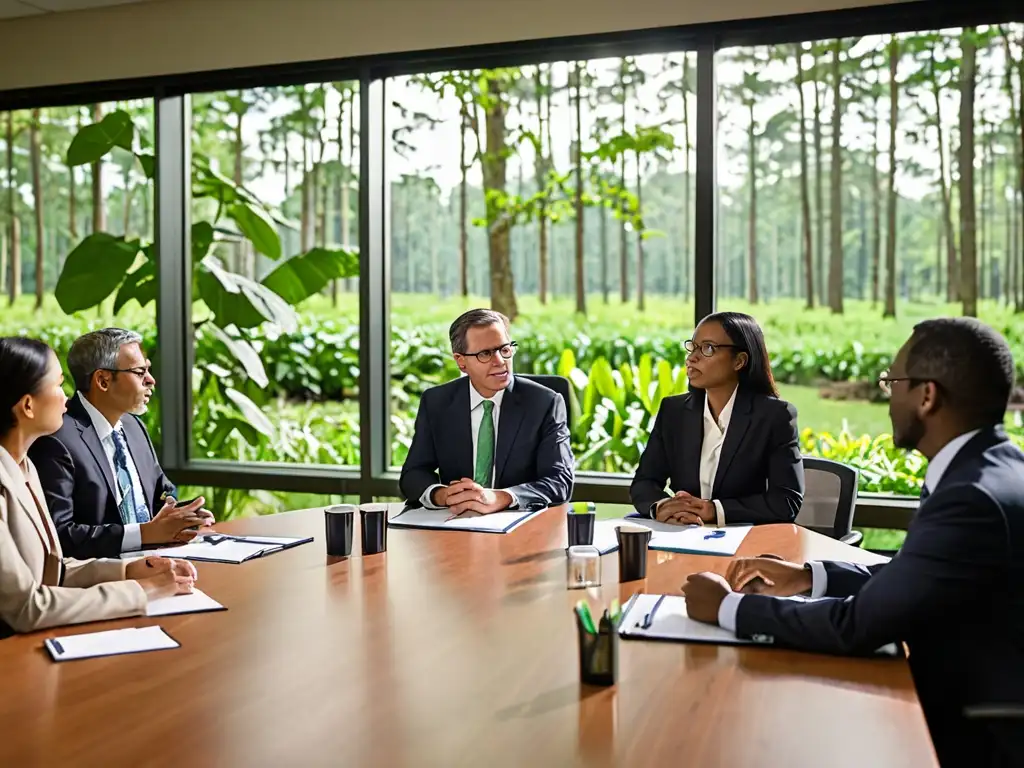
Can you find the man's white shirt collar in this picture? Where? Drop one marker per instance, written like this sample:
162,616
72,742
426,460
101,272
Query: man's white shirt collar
99,421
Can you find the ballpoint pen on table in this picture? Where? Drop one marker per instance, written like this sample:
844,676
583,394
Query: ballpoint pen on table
649,617
715,535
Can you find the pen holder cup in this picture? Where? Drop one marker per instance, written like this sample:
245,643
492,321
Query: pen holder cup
339,521
633,544
374,528
580,526
599,656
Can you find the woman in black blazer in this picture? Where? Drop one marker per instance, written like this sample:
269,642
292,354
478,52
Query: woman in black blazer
729,448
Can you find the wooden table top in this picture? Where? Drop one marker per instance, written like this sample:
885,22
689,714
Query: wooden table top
451,649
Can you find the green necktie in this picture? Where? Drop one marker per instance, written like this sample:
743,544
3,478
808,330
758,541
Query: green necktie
485,448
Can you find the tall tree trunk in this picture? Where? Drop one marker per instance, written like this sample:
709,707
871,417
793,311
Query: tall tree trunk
37,204
540,171
819,187
464,206
805,192
968,213
126,202
835,270
73,197
241,265
353,164
623,237
14,226
503,295
890,237
3,260
581,288
99,214
341,193
952,267
603,221
304,219
1019,249
752,292
687,248
641,301
876,209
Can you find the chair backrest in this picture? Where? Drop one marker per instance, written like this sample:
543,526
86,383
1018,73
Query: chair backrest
830,496
559,384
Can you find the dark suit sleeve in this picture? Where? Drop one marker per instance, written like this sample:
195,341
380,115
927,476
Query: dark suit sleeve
845,579
56,471
419,471
952,557
554,462
785,493
653,471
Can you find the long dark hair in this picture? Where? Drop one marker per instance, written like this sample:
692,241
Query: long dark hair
743,331
23,367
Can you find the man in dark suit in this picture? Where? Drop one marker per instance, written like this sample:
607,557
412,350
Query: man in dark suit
104,486
954,593
488,441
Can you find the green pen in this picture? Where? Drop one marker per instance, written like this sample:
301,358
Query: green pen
583,609
615,612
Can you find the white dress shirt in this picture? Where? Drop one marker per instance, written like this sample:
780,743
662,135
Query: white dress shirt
132,540
711,451
476,417
819,576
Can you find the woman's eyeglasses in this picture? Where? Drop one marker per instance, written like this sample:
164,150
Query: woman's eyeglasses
707,348
486,355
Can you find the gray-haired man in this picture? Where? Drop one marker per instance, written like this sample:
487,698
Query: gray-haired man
103,483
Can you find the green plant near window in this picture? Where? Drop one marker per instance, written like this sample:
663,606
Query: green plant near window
225,304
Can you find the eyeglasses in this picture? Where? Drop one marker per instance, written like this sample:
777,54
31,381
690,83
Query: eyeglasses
142,373
707,348
885,381
486,355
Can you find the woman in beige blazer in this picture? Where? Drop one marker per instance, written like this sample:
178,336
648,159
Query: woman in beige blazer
39,587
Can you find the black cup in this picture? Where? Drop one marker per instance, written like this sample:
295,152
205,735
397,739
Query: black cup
375,528
339,521
581,528
632,553
599,656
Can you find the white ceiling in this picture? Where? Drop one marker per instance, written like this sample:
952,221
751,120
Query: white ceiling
10,9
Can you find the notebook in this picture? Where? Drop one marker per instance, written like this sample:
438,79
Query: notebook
498,522
664,617
689,539
196,602
114,642
222,548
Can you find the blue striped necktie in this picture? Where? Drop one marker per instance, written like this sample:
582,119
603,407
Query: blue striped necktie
130,512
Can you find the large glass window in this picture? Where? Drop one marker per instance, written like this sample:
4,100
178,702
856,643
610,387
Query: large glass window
274,248
561,195
76,224
866,184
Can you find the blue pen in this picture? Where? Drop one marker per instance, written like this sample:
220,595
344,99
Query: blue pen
649,618
719,534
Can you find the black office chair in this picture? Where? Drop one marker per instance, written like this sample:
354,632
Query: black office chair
830,496
559,384
1006,721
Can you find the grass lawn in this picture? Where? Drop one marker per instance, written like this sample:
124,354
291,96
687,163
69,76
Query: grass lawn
858,417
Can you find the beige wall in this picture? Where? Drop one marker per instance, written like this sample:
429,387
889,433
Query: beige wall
173,36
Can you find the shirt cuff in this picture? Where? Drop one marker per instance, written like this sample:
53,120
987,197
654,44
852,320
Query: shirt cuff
425,498
727,611
719,512
514,504
132,539
819,578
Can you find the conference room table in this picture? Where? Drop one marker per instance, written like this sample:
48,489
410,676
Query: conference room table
450,649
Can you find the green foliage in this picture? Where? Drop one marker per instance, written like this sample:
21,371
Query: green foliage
94,270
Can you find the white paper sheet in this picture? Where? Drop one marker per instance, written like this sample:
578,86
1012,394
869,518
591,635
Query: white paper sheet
204,548
197,602
690,539
110,643
671,622
499,522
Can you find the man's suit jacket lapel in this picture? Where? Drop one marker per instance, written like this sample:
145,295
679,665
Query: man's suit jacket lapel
459,429
739,421
92,442
508,427
693,440
138,447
